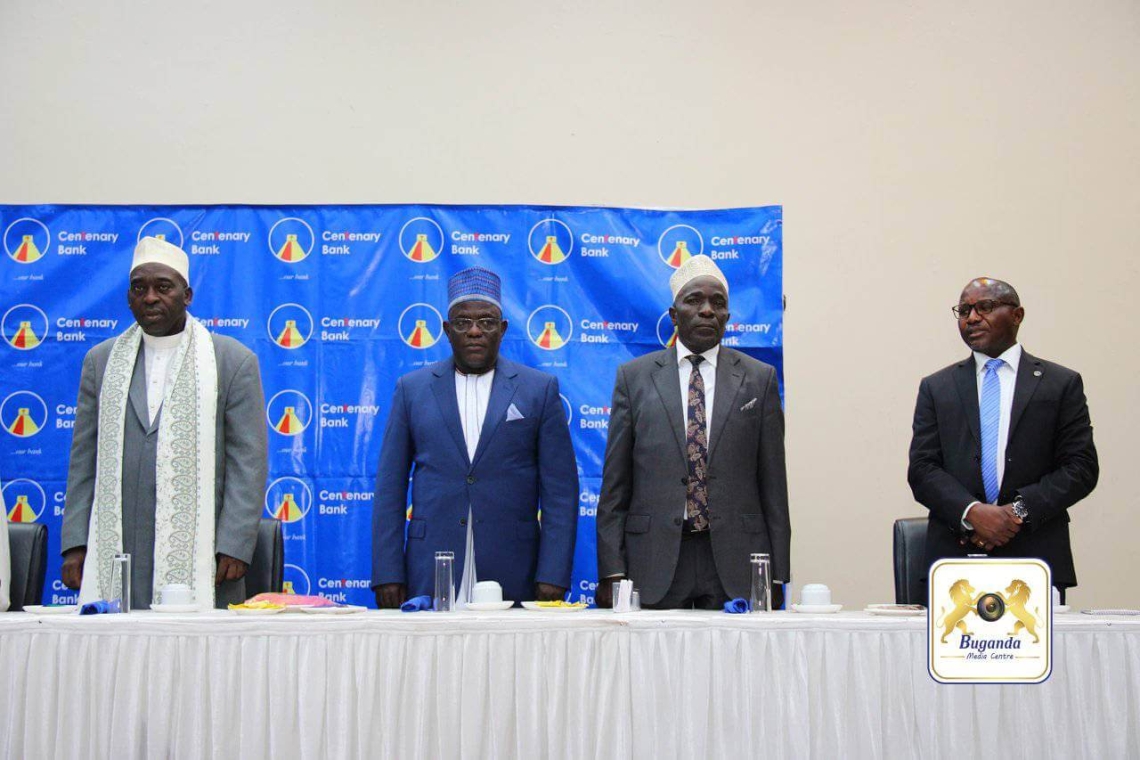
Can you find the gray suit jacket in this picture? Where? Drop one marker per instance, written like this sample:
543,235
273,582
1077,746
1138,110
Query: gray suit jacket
241,463
645,474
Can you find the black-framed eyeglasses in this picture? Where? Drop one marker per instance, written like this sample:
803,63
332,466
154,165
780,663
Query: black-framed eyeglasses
486,324
984,307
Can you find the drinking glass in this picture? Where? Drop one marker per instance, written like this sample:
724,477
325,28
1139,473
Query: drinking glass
760,597
444,582
121,581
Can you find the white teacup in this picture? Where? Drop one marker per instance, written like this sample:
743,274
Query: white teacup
487,591
177,593
815,595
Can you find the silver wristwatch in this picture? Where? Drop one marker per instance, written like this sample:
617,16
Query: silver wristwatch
1020,509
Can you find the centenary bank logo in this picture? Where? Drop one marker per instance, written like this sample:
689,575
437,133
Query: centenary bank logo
679,243
420,325
569,409
26,240
549,327
290,325
163,229
289,412
296,580
291,239
288,499
551,241
990,621
666,332
24,326
421,239
23,414
25,500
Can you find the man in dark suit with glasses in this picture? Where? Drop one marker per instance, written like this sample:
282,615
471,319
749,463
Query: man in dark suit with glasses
1002,443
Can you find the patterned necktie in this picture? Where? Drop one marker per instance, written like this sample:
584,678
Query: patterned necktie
697,450
991,418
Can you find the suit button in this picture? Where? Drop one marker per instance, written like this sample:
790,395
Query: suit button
677,521
463,521
470,479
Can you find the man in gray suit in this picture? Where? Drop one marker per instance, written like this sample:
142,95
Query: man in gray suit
122,495
694,480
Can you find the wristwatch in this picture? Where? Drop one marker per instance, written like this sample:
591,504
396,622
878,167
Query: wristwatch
1020,509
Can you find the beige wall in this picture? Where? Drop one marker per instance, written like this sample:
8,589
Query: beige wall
913,146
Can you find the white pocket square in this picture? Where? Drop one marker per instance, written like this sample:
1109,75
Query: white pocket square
748,406
513,413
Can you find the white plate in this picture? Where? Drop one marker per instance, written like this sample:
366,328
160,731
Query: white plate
817,609
174,607
40,609
1060,609
270,611
298,608
891,610
534,606
342,610
489,606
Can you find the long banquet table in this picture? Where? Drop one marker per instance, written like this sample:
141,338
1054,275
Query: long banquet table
530,684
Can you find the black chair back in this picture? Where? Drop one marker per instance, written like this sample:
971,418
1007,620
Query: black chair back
910,560
28,545
267,569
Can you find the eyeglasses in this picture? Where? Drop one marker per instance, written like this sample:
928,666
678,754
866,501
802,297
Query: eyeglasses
486,324
963,310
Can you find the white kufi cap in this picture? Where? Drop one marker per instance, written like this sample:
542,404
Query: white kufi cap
152,250
697,266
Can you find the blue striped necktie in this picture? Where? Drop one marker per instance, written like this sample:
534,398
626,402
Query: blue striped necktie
991,419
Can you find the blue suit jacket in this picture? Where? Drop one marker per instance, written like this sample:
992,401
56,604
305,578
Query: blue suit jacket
520,466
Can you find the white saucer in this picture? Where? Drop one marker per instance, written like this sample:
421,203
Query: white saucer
817,609
345,609
1060,609
893,611
534,606
489,606
174,607
40,609
269,611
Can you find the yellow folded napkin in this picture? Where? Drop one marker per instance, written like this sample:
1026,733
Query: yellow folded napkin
561,603
257,606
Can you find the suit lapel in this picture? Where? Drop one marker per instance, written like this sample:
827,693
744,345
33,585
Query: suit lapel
502,391
668,384
729,379
444,388
1028,378
966,378
137,393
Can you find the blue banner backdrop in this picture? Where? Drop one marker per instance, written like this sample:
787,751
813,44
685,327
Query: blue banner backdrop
339,301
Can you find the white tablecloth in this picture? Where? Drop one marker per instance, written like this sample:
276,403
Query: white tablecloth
526,684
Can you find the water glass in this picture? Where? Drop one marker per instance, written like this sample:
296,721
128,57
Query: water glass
760,597
444,582
121,581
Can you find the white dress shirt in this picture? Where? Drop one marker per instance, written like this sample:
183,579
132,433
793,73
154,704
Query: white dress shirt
1007,378
472,392
158,353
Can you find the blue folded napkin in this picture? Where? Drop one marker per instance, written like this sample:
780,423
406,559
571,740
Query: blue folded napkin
416,604
737,605
100,607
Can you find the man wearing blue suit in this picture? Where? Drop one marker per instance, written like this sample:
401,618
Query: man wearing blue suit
487,446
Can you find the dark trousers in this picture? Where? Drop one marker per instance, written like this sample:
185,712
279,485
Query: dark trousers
696,584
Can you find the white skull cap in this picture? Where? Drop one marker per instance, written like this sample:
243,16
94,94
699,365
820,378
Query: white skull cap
152,250
697,266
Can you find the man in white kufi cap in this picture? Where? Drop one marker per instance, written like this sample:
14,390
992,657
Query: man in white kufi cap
694,480
165,398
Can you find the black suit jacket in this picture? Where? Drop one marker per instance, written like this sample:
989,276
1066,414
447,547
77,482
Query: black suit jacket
1050,459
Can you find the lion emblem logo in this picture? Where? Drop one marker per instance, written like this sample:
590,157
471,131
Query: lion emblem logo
962,594
1016,597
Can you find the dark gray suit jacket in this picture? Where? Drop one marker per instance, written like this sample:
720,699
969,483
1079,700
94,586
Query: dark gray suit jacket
241,464
645,474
